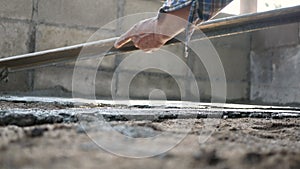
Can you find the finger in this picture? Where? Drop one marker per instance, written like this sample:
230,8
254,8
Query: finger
125,38
122,41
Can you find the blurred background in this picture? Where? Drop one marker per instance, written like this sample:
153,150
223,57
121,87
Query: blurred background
261,67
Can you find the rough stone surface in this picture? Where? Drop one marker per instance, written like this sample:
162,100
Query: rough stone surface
275,37
14,38
90,13
274,75
16,9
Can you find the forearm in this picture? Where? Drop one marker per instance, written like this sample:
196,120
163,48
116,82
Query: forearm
173,22
174,17
182,13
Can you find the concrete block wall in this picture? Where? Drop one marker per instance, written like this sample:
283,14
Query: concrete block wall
275,65
35,25
15,35
233,52
68,22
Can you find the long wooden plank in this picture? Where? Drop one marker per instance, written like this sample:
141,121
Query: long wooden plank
211,29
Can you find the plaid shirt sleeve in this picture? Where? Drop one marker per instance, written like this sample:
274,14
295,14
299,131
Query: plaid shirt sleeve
172,5
200,9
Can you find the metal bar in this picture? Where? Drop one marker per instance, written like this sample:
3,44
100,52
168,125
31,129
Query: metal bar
209,29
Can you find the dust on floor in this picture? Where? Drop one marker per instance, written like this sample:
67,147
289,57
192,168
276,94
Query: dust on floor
240,143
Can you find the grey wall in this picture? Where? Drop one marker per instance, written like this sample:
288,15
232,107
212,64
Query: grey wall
259,67
36,25
275,65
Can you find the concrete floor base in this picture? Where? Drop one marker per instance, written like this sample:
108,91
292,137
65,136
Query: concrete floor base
68,133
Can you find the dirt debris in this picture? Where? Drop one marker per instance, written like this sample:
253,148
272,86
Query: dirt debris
235,143
61,145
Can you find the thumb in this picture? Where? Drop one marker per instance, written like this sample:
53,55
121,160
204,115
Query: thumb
122,41
125,38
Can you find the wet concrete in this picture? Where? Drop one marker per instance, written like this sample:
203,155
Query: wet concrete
57,133
29,111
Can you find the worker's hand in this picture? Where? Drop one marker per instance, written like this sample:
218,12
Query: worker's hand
146,35
153,33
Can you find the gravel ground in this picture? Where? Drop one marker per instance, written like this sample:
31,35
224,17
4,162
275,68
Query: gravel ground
239,143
